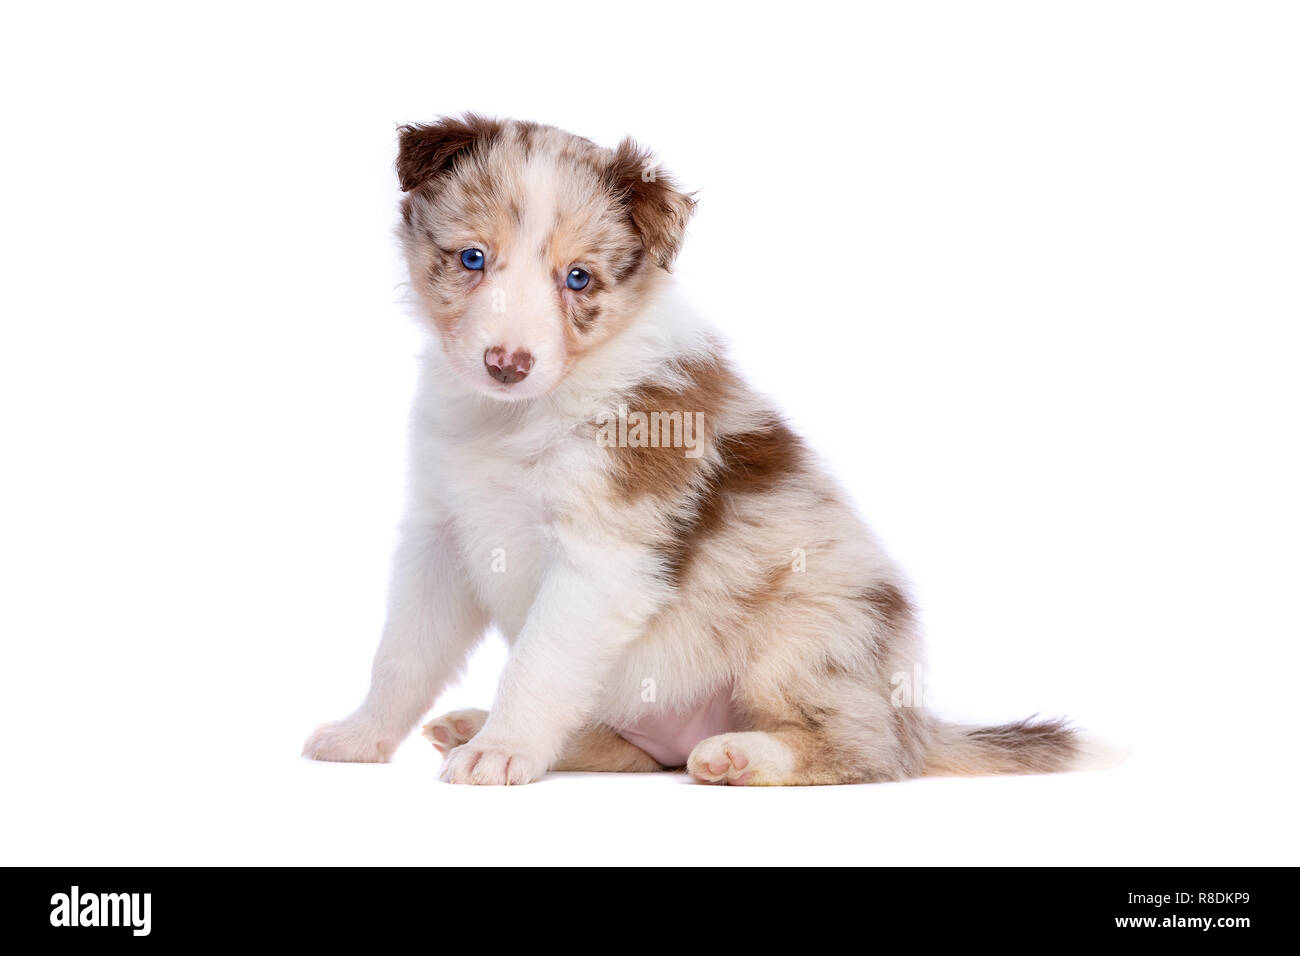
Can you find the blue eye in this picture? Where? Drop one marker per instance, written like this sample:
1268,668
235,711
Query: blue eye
472,259
578,279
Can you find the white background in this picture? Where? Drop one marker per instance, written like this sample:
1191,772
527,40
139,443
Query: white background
1026,273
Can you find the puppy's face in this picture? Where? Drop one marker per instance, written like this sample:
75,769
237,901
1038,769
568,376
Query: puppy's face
529,247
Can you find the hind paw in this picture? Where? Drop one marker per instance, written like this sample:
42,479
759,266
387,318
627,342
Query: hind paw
751,759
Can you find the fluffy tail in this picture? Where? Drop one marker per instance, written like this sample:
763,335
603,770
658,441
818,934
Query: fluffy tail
1047,746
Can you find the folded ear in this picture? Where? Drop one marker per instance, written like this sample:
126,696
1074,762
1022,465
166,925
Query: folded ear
425,150
658,209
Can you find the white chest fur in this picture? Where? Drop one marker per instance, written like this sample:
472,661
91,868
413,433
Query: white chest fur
505,486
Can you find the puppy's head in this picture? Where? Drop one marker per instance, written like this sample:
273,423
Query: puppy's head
529,247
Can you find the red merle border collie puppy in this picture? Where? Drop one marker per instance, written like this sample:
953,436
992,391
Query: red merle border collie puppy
680,582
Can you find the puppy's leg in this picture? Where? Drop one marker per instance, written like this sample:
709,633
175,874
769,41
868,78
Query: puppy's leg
791,757
594,600
594,749
794,756
433,621
600,749
817,731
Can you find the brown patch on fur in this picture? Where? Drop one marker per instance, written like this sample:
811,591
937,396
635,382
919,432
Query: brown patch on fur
527,132
1021,747
630,265
888,604
656,207
811,716
833,669
639,472
599,749
911,742
425,150
583,315
766,590
748,463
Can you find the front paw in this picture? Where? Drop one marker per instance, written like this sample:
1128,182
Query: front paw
490,765
348,741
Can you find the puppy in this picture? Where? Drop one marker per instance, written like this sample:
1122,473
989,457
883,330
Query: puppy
680,581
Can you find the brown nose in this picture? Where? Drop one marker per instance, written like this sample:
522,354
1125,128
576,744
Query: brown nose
507,369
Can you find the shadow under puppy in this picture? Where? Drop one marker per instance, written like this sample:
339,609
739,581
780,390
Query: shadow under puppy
680,581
